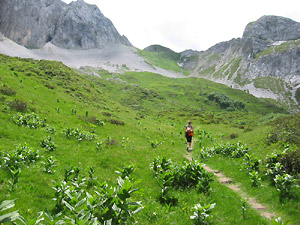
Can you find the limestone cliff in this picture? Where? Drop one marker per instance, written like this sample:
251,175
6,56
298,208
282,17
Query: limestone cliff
33,23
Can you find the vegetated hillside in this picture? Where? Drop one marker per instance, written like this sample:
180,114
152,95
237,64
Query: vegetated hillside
265,61
162,57
63,133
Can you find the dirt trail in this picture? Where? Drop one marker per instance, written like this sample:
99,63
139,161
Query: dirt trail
263,210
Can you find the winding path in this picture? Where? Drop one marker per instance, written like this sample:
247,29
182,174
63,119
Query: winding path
263,210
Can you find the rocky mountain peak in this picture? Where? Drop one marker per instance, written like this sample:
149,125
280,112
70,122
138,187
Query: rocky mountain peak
262,33
273,28
33,23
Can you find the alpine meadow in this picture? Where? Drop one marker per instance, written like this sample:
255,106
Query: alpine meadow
82,149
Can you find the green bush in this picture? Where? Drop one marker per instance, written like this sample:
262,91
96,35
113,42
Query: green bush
226,102
18,105
78,134
291,162
48,144
11,216
167,197
29,120
182,176
284,184
232,150
23,155
49,165
5,90
201,213
107,205
286,130
251,163
298,95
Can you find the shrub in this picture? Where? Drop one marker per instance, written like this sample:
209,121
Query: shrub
78,134
286,130
11,216
226,102
7,90
92,119
155,143
251,163
233,136
99,145
18,105
298,95
110,205
273,166
167,197
48,144
185,175
125,172
116,122
160,166
232,150
291,162
201,213
255,179
244,207
29,120
284,184
49,165
22,155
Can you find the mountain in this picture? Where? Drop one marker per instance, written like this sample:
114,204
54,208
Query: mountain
264,62
33,23
77,34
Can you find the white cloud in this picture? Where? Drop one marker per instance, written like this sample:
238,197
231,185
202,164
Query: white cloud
189,24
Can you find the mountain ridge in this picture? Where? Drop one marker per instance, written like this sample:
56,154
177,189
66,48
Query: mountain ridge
264,61
34,23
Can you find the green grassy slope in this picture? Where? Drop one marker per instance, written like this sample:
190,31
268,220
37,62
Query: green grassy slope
136,117
162,57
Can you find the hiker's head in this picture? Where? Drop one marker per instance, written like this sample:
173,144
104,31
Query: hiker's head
189,122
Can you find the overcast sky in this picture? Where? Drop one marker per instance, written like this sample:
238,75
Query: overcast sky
189,24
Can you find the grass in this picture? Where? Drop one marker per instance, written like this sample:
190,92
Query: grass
273,84
256,141
280,48
147,107
167,60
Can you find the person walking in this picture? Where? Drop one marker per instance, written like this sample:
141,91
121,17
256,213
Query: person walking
189,133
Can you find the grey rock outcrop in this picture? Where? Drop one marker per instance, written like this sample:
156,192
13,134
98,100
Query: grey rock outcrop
1,37
33,23
262,33
234,44
188,59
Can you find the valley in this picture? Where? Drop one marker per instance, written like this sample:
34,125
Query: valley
69,132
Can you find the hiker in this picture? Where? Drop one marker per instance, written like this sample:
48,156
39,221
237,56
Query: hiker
189,133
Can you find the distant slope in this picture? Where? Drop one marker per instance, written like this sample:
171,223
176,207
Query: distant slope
162,57
265,61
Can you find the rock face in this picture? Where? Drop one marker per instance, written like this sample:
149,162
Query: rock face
262,33
33,23
265,60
